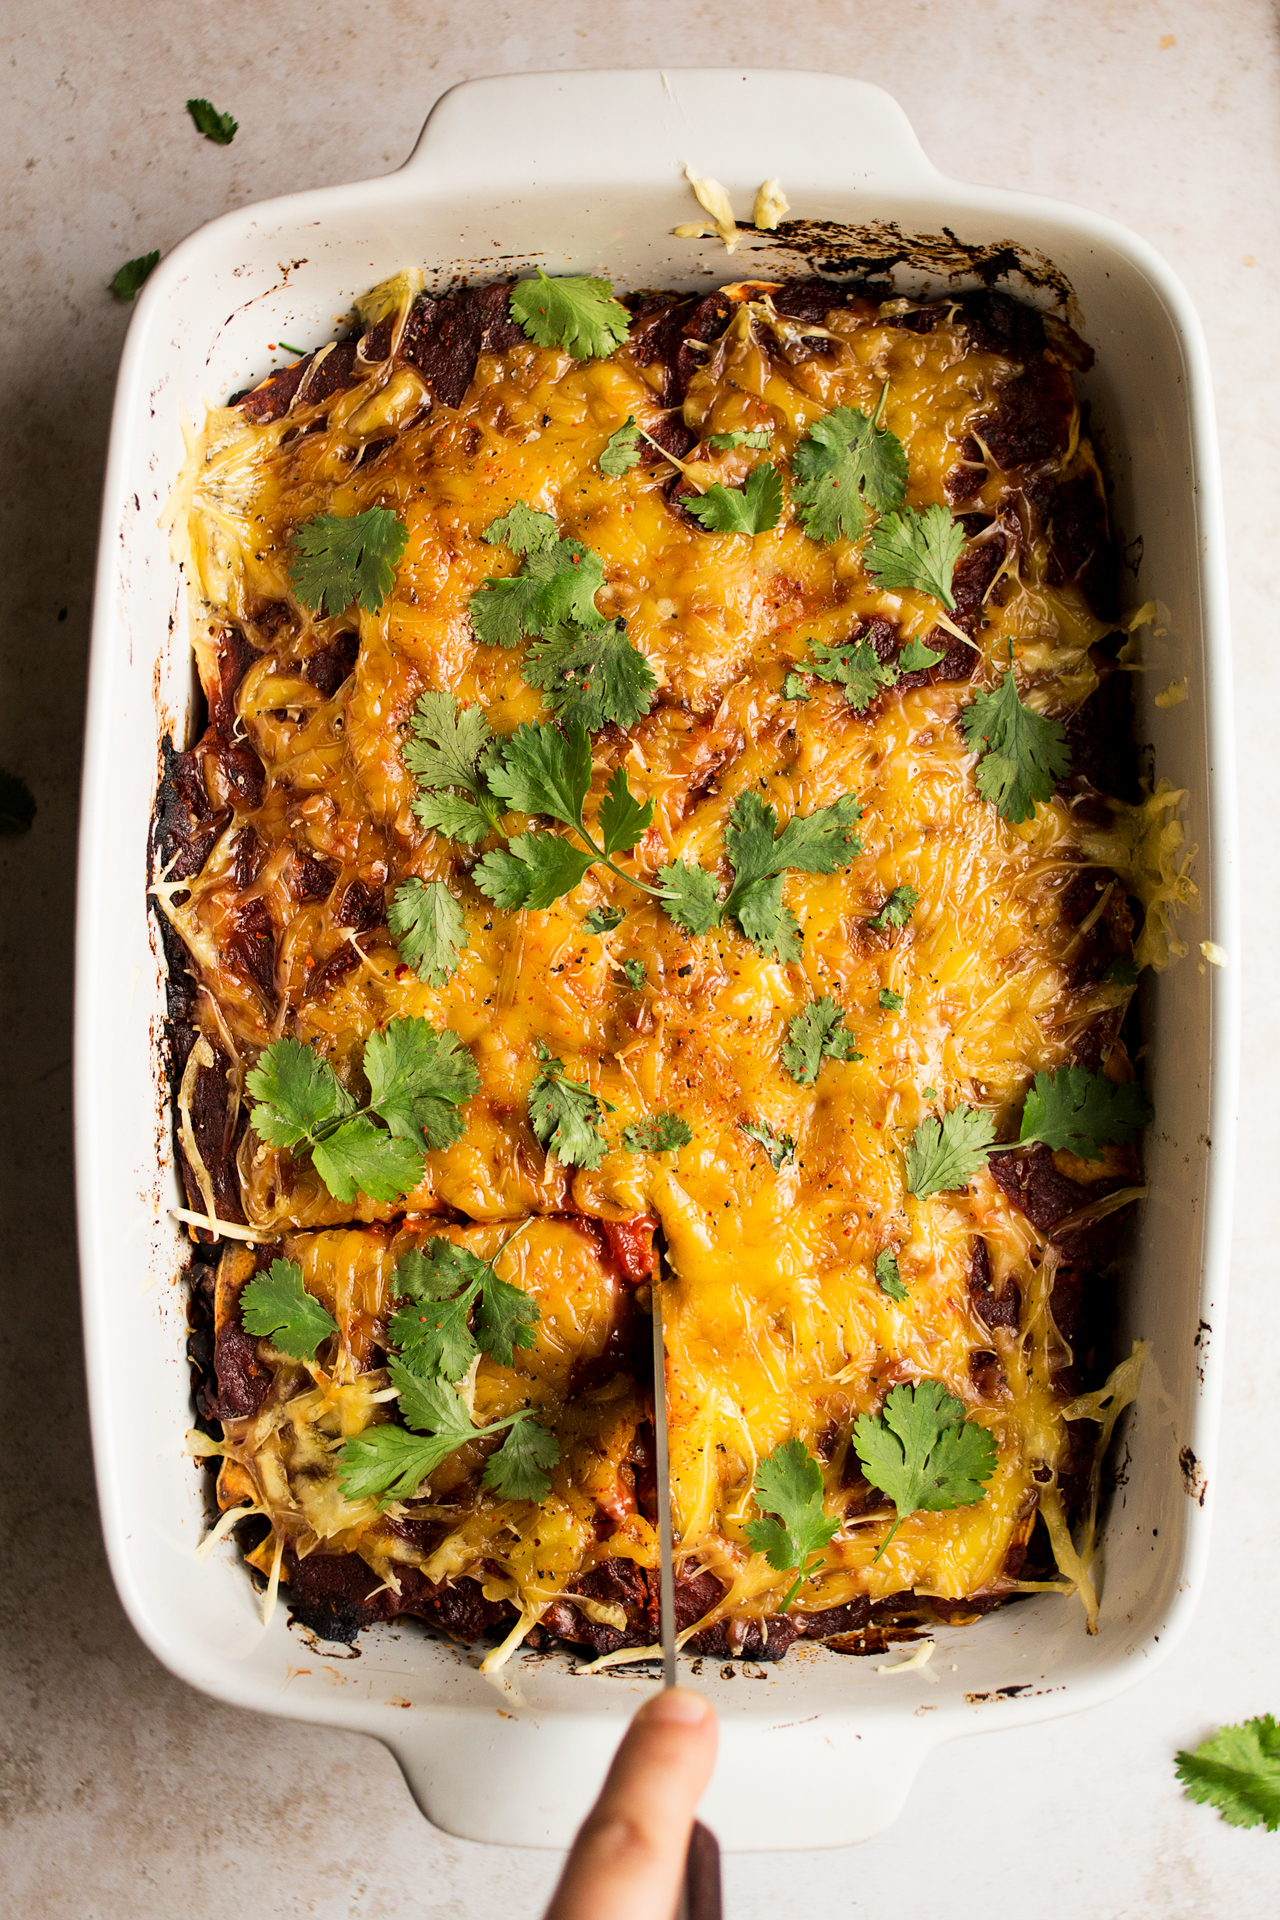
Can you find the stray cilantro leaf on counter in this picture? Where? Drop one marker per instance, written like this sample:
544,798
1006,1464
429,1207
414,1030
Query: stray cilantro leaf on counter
923,1452
757,437
565,1116
276,1306
889,1001
621,449
448,751
846,463
660,1133
1123,972
603,919
1023,753
816,1033
578,313
888,1279
788,1488
418,1078
896,911
430,929
754,507
943,1155
127,280
1082,1111
215,126
346,560
1237,1770
780,1148
915,657
17,803
916,548
635,973
440,1285
591,674
855,666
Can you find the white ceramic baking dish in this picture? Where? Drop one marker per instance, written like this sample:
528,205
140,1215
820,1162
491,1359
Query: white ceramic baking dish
583,172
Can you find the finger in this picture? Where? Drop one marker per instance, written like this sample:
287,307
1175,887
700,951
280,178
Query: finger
628,1858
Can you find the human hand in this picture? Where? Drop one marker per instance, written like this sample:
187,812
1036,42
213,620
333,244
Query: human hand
628,1859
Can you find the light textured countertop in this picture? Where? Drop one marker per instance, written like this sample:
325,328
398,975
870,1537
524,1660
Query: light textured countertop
123,1795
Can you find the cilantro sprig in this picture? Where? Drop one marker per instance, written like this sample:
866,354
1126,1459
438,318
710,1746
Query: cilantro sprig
1237,1770
797,1531
565,1115
815,1034
429,927
449,750
1069,1109
276,1306
916,548
754,507
578,313
444,1287
924,1453
659,1133
418,1080
846,463
622,449
1023,752
944,1154
855,666
389,1463
342,561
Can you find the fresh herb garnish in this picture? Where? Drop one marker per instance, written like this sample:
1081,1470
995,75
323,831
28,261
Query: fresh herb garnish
276,1306
889,1001
888,1279
780,1148
788,1488
603,919
215,126
449,751
1023,752
441,1284
754,507
915,657
758,437
621,449
578,313
127,280
923,1452
846,463
1123,972
816,1033
346,560
793,688
565,1115
944,1154
855,666
430,929
418,1079
896,911
660,1133
388,1463
17,803
591,674
1237,1770
635,973
917,547
1082,1111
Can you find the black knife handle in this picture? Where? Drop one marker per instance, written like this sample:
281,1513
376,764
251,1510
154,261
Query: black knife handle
700,1894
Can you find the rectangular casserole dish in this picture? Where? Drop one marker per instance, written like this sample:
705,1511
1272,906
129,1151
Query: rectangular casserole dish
489,191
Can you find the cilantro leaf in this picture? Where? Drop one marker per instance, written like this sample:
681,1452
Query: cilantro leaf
943,1155
505,1317
524,529
533,871
546,770
917,547
1237,1770
621,449
276,1306
215,126
623,819
889,1001
816,1032
896,911
431,1405
565,1116
660,1133
504,611
819,842
591,675
688,894
344,560
558,581
788,1484
127,281
888,1279
294,1092
855,666
361,1158
578,313
451,814
440,1286
1122,972
780,1148
434,1336
793,688
446,742
437,1271
741,437
386,1463
1082,1111
430,929
923,1452
1023,753
418,1078
845,464
752,508
915,657
635,974
603,919
518,1470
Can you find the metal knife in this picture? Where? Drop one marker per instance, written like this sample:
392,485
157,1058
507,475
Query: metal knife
700,1894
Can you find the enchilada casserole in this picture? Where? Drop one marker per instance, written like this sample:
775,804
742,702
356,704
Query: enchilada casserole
667,815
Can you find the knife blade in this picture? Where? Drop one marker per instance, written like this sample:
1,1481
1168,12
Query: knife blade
700,1891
